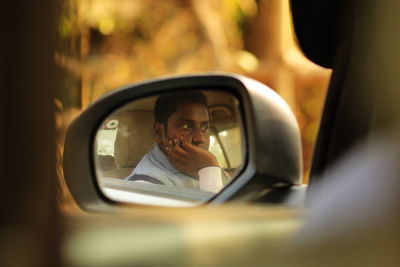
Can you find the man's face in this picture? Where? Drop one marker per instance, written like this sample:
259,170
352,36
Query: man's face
190,121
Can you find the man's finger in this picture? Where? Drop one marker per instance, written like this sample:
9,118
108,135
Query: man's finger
173,144
176,161
179,153
187,146
168,146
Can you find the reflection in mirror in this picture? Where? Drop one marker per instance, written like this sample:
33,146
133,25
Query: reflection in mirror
173,149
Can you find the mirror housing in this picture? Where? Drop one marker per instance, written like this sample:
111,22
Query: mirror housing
269,127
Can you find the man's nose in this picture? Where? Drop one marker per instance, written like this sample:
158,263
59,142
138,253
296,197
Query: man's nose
198,136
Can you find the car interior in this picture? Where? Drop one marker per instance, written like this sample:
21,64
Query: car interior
129,133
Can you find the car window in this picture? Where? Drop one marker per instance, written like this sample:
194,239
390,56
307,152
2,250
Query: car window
106,140
228,138
216,149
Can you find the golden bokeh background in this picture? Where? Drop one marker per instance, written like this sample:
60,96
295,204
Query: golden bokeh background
105,44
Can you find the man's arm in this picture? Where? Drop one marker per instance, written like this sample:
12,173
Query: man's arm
196,162
210,179
188,158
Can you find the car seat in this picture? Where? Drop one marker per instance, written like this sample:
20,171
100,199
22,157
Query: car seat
134,139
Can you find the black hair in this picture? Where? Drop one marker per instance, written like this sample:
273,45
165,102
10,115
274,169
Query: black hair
167,104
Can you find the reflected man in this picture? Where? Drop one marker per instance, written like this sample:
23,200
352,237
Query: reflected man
180,157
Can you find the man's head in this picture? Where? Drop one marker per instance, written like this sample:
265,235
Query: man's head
182,114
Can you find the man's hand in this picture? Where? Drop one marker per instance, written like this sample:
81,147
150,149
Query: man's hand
188,158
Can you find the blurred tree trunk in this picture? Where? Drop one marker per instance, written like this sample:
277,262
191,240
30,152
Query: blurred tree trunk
29,225
84,51
284,68
269,39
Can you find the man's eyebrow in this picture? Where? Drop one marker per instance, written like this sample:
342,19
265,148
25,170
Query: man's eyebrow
190,120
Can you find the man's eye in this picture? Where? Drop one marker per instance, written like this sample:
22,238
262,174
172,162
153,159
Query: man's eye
204,128
185,126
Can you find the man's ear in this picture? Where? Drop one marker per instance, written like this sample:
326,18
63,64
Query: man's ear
158,131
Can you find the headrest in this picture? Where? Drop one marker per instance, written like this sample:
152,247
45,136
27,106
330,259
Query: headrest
135,137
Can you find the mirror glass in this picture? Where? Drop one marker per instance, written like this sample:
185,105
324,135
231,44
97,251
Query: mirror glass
173,149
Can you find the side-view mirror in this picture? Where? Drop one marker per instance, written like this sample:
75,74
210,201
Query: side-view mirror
183,141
